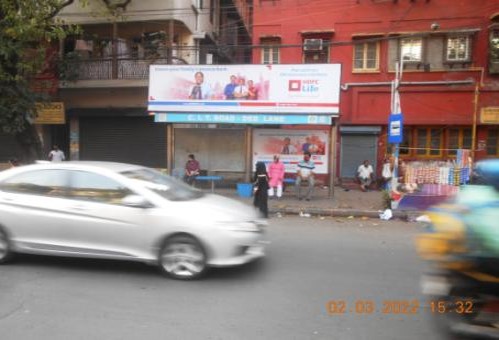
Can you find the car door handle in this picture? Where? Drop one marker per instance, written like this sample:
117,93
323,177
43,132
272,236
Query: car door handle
78,207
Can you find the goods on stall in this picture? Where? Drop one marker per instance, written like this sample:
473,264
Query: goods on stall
440,172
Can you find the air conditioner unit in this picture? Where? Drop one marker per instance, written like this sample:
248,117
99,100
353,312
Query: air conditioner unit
312,44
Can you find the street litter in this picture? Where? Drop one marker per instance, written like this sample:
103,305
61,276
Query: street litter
385,215
304,214
350,216
423,218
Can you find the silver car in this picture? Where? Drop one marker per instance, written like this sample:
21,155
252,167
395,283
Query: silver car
126,212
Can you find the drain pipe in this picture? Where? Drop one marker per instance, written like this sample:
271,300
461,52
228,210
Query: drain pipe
470,81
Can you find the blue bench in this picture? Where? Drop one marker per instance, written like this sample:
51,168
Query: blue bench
211,179
289,180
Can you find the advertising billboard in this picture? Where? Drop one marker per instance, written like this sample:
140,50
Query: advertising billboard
290,146
310,88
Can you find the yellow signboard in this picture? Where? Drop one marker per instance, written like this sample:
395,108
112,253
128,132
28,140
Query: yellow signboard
50,113
490,115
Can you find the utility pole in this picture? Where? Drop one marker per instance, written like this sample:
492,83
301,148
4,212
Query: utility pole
395,124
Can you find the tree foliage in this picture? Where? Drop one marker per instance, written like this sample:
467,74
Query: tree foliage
27,28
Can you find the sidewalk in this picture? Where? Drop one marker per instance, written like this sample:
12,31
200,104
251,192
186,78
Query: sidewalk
344,203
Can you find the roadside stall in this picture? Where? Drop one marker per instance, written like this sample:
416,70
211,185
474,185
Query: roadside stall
424,183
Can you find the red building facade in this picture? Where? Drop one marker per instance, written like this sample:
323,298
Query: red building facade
450,83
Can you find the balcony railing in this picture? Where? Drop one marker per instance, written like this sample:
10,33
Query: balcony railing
102,69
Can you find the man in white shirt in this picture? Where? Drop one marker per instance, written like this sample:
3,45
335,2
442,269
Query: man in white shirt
56,155
365,175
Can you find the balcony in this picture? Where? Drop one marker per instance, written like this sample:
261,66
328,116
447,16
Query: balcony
108,72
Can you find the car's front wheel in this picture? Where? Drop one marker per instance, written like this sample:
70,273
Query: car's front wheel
183,257
5,250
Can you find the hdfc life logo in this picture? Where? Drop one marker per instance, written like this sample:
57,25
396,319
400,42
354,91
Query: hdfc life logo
303,87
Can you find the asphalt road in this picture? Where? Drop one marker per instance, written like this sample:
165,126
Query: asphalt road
318,280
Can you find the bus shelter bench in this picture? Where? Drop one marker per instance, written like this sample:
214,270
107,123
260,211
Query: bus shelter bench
287,182
211,179
292,181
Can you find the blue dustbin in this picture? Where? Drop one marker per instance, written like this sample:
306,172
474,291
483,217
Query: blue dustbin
244,189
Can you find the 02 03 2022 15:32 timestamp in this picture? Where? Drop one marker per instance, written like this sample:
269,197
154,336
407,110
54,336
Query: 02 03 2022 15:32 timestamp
398,307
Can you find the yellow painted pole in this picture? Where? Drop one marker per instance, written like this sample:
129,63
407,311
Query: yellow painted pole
475,118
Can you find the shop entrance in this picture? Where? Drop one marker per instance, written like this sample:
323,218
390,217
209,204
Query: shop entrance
355,148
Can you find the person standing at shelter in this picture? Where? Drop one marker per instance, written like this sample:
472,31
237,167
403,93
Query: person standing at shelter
305,173
386,173
261,185
56,155
192,169
365,175
276,176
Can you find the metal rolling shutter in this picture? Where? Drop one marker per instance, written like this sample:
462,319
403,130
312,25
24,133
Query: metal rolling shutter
354,150
136,140
8,147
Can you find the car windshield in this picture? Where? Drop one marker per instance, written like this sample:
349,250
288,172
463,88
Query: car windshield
163,185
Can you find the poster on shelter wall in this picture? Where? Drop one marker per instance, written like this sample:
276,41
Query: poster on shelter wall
314,88
290,146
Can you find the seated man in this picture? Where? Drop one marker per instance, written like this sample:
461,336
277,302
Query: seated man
305,173
192,169
365,175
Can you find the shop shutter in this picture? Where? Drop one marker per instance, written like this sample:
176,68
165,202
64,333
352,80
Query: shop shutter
8,147
355,148
136,140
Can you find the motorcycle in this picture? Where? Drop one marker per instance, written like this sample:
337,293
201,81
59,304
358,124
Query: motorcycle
462,247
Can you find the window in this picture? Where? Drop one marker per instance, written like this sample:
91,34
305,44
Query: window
493,142
494,51
404,147
270,50
318,55
42,182
89,186
458,49
366,56
458,139
411,50
429,142
164,186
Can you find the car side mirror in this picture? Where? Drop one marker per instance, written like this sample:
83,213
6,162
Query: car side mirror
135,201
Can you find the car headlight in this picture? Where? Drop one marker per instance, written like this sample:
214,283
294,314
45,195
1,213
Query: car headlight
249,226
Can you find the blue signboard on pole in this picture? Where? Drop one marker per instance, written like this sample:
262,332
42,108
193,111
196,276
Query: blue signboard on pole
395,128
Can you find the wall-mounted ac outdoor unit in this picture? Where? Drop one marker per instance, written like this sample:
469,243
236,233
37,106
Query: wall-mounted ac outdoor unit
312,44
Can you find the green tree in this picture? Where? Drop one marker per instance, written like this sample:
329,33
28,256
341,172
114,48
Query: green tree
27,28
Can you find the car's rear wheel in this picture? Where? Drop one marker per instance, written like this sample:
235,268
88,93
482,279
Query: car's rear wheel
5,250
183,257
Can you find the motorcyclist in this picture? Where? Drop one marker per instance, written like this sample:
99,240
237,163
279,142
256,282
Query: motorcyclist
483,216
463,246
